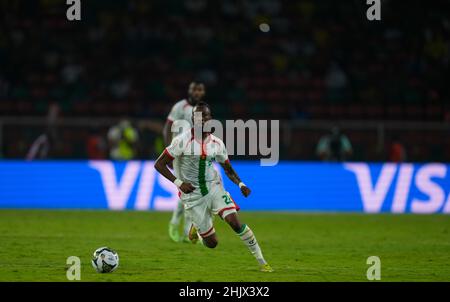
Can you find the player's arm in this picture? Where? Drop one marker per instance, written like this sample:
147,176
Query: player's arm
234,177
161,165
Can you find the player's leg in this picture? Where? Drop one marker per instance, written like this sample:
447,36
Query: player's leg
211,241
202,224
175,221
224,206
209,238
246,234
186,228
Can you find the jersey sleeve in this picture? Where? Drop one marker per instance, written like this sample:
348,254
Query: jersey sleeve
175,148
222,154
176,113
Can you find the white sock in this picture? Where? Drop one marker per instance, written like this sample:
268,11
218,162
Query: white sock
177,213
249,239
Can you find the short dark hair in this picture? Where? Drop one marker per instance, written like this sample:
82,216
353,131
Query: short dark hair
197,82
202,104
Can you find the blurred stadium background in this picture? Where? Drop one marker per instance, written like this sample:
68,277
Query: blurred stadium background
322,63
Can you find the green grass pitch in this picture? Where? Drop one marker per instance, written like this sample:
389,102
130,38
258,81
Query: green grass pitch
34,246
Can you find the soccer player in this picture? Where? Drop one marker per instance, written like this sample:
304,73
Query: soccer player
200,185
182,110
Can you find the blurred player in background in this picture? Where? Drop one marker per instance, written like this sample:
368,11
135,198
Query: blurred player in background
123,140
201,186
43,147
96,146
182,110
334,146
397,151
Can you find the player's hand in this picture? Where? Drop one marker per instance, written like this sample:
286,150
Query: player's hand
245,191
187,188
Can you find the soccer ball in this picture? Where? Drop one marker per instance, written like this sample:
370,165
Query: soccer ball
105,260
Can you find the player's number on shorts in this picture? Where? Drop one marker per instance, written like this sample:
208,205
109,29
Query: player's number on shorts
227,199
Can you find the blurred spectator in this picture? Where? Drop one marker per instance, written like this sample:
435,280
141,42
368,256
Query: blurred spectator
397,152
447,116
40,148
334,146
43,146
147,53
133,57
336,82
96,145
123,141
159,145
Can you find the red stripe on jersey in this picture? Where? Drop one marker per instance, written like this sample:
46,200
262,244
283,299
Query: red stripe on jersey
168,154
203,151
203,142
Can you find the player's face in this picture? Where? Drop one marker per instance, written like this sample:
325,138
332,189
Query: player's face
201,116
196,92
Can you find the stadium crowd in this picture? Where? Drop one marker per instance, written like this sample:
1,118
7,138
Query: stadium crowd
319,60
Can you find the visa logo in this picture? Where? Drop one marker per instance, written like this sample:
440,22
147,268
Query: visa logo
428,196
118,192
142,174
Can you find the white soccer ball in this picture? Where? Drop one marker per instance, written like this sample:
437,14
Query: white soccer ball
105,260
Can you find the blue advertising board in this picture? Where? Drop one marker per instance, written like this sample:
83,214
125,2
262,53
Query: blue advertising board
288,186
